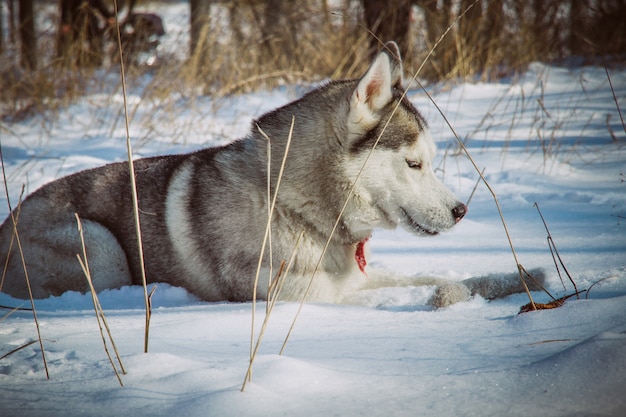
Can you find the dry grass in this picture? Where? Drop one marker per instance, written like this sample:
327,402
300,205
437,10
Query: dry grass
273,287
244,46
133,186
14,215
100,317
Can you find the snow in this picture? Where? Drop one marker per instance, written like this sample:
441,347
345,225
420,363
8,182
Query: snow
550,136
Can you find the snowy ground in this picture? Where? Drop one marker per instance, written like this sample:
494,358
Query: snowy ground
551,136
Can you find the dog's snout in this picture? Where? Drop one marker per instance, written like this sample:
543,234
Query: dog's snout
459,212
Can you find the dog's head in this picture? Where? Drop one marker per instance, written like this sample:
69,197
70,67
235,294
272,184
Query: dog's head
397,185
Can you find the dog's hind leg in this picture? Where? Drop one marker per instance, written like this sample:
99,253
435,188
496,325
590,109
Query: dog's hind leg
51,260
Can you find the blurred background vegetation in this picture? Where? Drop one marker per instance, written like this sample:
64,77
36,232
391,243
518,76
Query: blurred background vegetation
237,45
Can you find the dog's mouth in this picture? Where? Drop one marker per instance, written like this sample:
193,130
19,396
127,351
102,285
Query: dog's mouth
416,227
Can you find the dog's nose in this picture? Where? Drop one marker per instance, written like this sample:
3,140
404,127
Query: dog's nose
459,212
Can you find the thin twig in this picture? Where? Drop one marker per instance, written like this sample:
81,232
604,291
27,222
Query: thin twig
593,285
100,317
273,296
269,210
12,310
482,173
17,349
619,110
133,184
552,246
537,282
267,229
255,347
17,216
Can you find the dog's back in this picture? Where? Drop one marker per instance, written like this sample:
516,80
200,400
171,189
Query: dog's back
50,240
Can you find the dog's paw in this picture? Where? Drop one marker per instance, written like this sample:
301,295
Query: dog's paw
449,294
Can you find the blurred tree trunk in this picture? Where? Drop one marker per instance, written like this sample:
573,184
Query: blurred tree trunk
279,32
11,19
577,33
471,50
82,31
388,21
64,35
491,39
547,29
605,29
438,18
1,31
200,12
27,35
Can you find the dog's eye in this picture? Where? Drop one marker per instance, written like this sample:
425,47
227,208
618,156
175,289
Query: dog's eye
414,164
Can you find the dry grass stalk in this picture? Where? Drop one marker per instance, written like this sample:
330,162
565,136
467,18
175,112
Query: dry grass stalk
19,246
272,296
593,285
133,184
17,349
268,226
555,254
100,317
619,110
17,215
11,311
550,341
25,345
269,214
469,199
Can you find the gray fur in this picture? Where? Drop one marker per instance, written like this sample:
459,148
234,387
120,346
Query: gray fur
203,214
489,287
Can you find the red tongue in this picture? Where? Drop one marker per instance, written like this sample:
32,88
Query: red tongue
359,255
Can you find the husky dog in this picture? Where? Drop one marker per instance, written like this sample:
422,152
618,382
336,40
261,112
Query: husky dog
203,215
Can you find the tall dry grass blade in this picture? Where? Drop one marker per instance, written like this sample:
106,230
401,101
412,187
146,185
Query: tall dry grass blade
269,210
358,176
554,251
17,216
19,246
469,199
268,226
537,282
278,285
133,183
272,298
87,271
520,268
11,311
100,318
255,347
441,38
17,349
619,110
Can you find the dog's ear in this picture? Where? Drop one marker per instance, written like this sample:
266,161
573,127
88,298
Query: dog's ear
375,90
